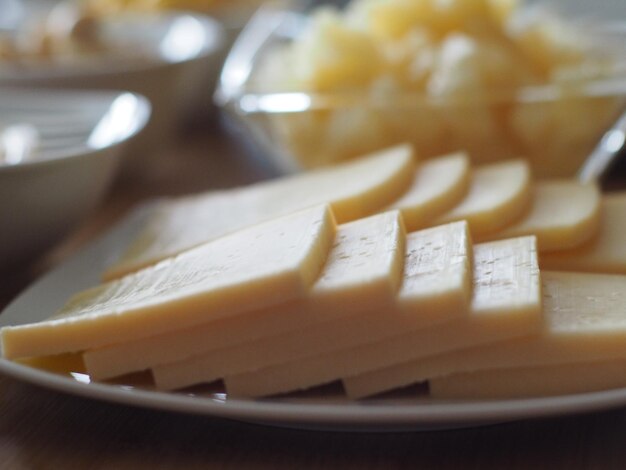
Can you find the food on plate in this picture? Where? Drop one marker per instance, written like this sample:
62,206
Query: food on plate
349,283
563,214
439,185
445,76
435,289
584,326
528,382
505,303
354,190
584,321
266,264
498,194
605,252
320,281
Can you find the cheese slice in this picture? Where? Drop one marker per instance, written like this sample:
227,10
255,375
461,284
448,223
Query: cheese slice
354,189
436,288
499,193
585,320
564,214
526,382
263,265
605,252
506,303
438,186
363,271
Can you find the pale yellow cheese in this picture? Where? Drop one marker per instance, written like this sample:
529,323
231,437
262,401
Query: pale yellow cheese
604,253
439,185
498,194
584,320
353,189
563,214
436,288
526,382
363,271
506,303
263,265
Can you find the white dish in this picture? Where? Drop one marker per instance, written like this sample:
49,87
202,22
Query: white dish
81,138
326,410
169,57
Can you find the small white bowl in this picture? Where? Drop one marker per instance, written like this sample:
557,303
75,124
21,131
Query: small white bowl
81,136
180,51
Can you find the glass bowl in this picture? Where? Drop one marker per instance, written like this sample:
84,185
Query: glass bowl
554,127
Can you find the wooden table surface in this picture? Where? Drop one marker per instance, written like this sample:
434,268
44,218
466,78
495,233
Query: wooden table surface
43,429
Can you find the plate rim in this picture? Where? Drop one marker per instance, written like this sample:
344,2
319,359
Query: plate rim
423,413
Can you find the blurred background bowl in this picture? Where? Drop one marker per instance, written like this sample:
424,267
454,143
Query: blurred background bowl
169,57
81,136
231,14
554,126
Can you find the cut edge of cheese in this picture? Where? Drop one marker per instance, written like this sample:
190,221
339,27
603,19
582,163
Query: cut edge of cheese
430,254
326,368
564,214
438,185
189,285
498,195
584,321
605,252
391,182
377,180
424,294
529,382
333,296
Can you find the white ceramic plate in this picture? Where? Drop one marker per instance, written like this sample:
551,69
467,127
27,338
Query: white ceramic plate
322,409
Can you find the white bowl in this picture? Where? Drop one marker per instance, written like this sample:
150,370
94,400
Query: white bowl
81,137
180,52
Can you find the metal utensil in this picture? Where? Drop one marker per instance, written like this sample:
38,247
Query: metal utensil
611,146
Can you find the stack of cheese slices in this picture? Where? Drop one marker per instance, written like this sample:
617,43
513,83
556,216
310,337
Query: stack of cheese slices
381,272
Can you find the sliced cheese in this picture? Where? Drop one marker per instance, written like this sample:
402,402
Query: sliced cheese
436,288
564,214
355,189
506,303
584,320
438,186
263,265
526,382
498,194
604,253
363,271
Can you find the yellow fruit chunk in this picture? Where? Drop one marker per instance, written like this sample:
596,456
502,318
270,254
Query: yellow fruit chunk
353,190
333,55
506,303
363,271
435,289
266,264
